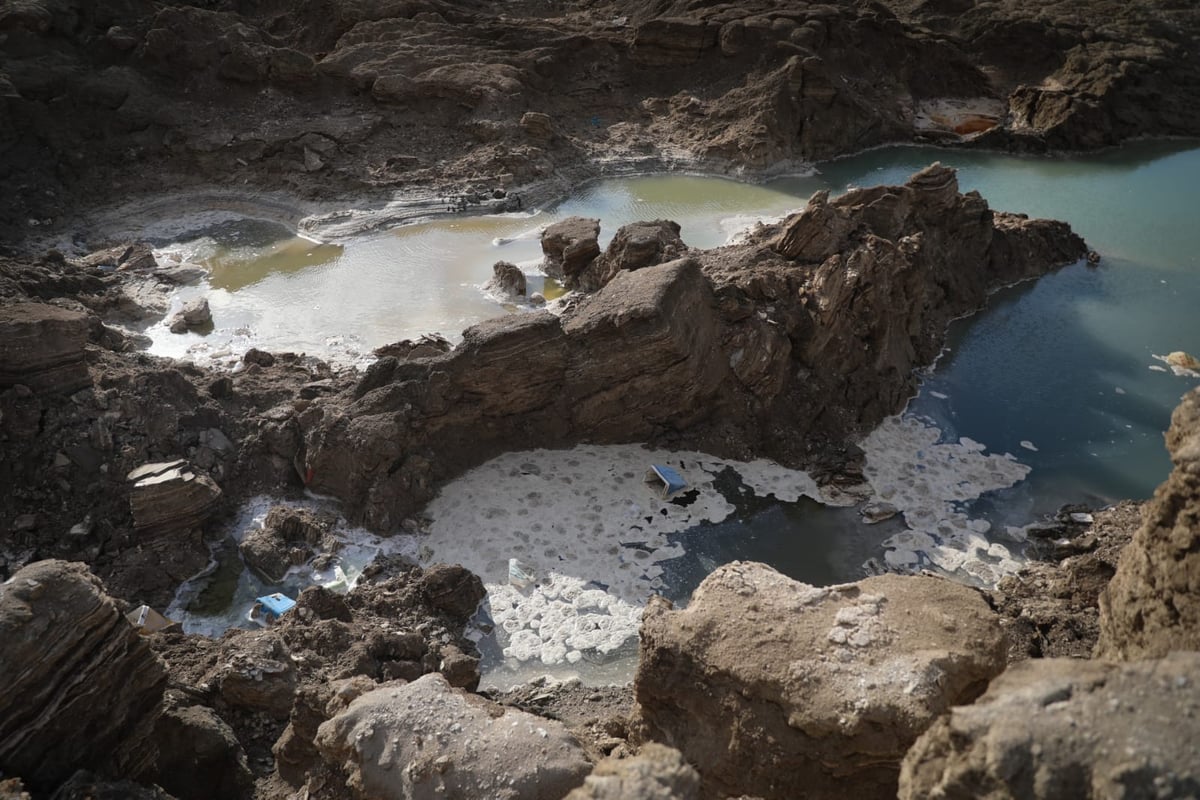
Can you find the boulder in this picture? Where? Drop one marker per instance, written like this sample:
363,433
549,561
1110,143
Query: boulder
569,246
1052,728
79,689
452,589
655,773
169,496
288,538
507,280
199,756
127,256
258,357
194,315
537,125
256,673
426,739
42,347
1152,604
637,245
775,688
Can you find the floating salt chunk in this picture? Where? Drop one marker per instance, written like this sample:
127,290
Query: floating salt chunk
1082,518
1028,445
1119,390
1157,368
1181,364
939,395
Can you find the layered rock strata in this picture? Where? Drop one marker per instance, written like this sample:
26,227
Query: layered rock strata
79,689
42,348
778,689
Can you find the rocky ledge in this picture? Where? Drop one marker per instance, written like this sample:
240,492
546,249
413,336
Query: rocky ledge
735,351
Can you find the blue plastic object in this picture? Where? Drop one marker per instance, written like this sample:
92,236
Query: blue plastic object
666,481
276,604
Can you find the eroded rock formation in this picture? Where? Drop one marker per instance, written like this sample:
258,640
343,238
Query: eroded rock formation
784,346
79,689
1051,728
778,689
1152,605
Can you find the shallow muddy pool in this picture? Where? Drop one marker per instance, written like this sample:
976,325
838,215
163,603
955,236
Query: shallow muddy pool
1052,395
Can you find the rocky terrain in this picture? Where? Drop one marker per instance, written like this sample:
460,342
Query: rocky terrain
119,468
297,106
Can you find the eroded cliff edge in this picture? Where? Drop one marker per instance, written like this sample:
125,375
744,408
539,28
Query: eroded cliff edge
788,346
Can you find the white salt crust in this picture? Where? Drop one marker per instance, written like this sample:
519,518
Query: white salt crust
593,533
907,467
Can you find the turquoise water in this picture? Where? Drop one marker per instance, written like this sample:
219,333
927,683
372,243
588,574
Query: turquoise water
1065,362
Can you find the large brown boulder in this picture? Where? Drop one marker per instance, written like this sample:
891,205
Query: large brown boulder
1055,728
79,689
569,246
199,756
171,496
42,347
775,688
426,739
1152,604
636,245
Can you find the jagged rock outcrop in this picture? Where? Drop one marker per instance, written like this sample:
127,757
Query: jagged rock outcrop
597,374
1152,605
637,245
287,538
425,738
785,346
569,246
775,688
655,773
42,347
79,689
1052,728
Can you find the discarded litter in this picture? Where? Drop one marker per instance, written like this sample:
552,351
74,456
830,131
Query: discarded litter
269,608
665,481
520,574
147,620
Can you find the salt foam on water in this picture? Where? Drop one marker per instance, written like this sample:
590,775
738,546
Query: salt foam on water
908,467
590,530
